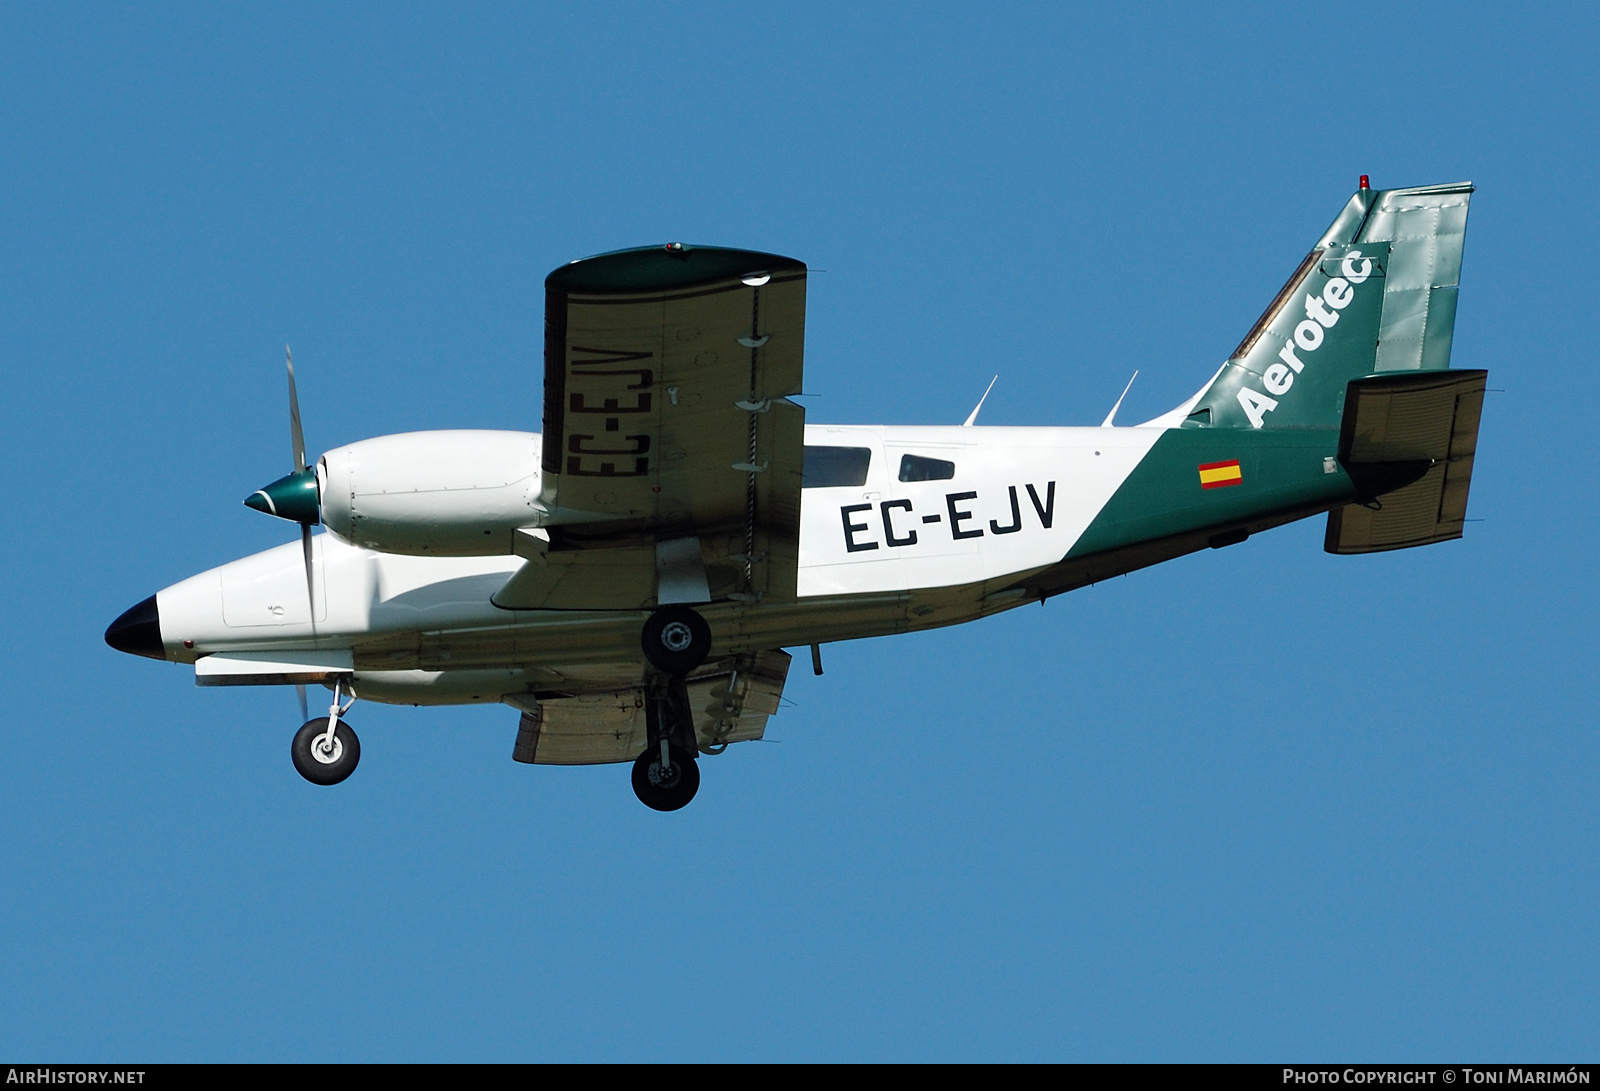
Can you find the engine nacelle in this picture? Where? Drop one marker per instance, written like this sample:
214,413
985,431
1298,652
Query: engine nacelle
433,494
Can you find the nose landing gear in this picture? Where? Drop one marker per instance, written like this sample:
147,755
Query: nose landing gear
320,760
325,750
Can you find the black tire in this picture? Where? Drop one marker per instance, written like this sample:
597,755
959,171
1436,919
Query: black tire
665,793
676,640
311,763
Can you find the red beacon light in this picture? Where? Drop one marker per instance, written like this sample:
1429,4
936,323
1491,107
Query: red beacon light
1364,183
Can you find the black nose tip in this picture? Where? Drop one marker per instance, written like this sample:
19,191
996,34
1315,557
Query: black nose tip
138,632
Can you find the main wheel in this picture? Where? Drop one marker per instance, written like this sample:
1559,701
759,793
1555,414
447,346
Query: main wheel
319,762
676,640
665,790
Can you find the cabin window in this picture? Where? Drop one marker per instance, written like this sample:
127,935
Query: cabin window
829,467
917,468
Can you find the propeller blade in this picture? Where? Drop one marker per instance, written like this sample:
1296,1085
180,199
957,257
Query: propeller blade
305,549
305,711
295,435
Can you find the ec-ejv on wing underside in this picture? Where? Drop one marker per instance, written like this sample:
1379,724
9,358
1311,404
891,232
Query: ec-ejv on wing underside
665,414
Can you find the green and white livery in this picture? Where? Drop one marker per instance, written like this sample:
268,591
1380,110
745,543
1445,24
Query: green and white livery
627,577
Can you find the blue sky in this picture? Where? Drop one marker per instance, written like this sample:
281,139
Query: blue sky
1256,804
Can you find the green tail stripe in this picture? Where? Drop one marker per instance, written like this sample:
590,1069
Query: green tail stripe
1279,470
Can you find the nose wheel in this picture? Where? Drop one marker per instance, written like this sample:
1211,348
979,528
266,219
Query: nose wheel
325,750
321,758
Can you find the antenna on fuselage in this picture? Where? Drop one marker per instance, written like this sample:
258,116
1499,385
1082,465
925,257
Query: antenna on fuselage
974,414
1111,416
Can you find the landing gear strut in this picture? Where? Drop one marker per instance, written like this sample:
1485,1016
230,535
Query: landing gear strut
325,750
666,776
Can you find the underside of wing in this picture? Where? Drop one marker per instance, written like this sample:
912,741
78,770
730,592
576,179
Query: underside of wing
666,419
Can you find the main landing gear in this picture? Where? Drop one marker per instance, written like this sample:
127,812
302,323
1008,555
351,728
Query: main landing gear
676,640
666,776
325,750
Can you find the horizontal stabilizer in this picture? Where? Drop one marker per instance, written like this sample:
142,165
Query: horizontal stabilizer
1423,426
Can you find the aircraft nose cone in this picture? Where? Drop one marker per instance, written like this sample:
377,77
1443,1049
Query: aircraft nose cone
138,631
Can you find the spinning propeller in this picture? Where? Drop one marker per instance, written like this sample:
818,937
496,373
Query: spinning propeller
295,497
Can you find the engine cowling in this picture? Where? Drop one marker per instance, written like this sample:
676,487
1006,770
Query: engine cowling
437,494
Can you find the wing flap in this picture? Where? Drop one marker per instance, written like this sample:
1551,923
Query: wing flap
587,730
730,702
732,705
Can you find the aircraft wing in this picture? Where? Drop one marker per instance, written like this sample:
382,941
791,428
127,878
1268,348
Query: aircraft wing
665,420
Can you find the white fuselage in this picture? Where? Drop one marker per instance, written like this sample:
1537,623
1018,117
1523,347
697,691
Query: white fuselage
889,553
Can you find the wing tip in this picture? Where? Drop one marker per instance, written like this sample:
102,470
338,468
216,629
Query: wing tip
665,268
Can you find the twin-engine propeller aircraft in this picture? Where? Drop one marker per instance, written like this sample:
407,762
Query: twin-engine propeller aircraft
628,578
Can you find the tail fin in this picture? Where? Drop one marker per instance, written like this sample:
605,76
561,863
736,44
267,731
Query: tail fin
1376,294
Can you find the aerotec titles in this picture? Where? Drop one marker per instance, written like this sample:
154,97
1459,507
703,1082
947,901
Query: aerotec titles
1322,314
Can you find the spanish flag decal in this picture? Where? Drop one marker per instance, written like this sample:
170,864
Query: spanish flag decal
1219,475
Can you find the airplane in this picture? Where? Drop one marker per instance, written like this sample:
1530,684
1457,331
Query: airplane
628,578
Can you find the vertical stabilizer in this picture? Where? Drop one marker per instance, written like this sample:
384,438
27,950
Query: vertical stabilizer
1376,294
